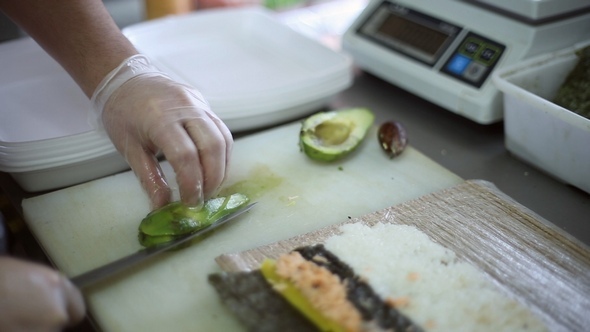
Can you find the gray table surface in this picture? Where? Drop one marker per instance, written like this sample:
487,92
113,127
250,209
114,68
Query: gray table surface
472,151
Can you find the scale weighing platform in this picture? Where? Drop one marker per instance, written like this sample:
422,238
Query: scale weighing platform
445,51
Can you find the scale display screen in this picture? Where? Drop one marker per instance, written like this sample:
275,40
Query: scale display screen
410,32
446,47
423,38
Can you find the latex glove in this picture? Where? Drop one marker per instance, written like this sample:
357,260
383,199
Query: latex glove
34,297
145,112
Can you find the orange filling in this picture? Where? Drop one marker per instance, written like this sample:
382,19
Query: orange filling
324,291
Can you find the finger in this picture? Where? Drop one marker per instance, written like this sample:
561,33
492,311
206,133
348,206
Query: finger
207,137
228,138
212,150
146,167
201,104
182,154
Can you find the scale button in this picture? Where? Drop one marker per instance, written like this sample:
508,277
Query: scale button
471,47
487,54
458,64
475,71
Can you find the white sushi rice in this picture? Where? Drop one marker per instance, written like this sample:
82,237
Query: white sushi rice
444,294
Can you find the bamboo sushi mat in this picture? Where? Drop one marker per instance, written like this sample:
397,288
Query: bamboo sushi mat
529,258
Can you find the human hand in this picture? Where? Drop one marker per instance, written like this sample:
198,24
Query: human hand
34,297
145,112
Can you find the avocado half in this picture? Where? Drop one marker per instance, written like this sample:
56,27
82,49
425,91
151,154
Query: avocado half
328,136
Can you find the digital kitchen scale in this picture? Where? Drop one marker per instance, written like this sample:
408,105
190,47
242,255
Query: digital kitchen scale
446,50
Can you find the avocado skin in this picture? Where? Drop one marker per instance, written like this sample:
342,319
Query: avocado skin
316,154
359,121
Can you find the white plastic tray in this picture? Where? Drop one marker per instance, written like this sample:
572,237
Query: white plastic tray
37,97
46,141
540,132
253,70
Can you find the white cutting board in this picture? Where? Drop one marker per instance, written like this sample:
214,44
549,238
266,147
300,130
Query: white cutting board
91,224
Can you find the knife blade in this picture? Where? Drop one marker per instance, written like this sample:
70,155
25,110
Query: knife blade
98,274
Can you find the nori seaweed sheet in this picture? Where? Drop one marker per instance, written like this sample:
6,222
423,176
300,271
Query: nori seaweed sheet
249,296
360,293
574,93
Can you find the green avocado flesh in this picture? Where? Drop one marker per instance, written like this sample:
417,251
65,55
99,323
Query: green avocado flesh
176,219
329,136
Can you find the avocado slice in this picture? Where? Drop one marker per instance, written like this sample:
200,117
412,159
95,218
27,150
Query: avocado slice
176,219
329,136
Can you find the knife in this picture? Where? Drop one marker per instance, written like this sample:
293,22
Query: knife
94,276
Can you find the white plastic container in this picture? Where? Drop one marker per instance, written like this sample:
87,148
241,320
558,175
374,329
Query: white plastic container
253,70
538,131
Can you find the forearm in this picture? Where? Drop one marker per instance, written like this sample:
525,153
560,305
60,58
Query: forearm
79,34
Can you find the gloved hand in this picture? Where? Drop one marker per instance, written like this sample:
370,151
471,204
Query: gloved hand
145,112
34,297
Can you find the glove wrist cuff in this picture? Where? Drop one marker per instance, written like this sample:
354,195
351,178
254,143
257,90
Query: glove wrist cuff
129,68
